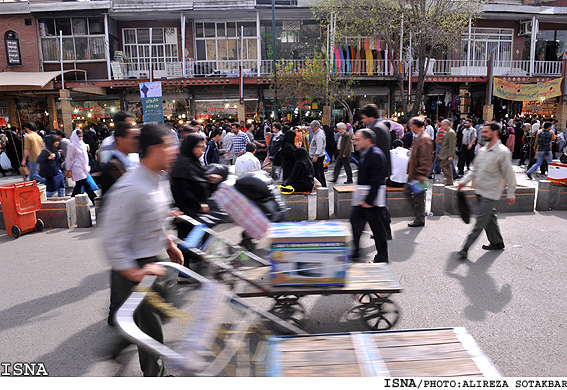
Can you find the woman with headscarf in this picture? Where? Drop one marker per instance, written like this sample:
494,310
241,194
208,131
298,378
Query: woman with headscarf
49,160
302,175
77,162
190,185
288,153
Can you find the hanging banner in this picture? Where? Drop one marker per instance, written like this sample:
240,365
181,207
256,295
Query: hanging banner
527,92
152,102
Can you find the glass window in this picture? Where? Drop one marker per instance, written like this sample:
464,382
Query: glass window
199,30
96,46
79,26
129,36
96,25
249,29
82,48
222,49
233,53
221,31
143,35
201,51
210,30
211,50
230,29
157,35
64,25
50,49
46,27
68,49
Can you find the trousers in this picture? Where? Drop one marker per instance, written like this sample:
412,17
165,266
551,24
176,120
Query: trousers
342,161
417,201
147,318
485,220
375,218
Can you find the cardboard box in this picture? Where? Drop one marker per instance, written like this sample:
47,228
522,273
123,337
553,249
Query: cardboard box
557,173
309,253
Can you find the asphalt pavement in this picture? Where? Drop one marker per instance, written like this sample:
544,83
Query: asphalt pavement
55,294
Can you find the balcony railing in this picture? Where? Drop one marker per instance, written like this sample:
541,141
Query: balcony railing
501,68
349,68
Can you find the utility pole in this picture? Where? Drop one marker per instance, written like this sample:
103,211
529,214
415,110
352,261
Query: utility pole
274,59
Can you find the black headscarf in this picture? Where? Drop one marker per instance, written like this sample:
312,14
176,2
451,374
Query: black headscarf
49,140
188,165
289,137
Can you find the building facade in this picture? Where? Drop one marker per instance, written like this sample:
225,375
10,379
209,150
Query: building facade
215,59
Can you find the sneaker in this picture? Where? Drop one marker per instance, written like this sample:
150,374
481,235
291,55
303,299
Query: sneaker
348,182
462,254
492,247
529,176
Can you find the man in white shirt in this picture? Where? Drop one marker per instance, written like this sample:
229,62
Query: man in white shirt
399,158
248,161
429,129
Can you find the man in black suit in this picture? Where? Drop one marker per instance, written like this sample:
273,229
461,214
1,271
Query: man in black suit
372,174
369,116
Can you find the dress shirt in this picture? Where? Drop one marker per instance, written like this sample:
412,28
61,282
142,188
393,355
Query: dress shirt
492,169
239,142
246,163
133,218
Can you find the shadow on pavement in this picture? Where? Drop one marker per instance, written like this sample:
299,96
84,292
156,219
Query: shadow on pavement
20,314
480,288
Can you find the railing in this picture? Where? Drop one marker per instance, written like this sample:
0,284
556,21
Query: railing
348,68
501,68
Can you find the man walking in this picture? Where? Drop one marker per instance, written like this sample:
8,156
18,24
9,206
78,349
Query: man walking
492,167
466,149
239,141
275,143
369,116
33,145
345,146
134,236
447,141
421,157
317,151
368,205
544,139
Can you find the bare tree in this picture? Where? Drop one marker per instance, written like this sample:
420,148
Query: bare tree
432,24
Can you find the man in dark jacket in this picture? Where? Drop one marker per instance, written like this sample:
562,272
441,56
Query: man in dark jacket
126,141
371,176
212,153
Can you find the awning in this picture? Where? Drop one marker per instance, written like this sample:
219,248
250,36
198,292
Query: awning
29,80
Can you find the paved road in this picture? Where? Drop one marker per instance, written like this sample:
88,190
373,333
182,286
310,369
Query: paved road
55,292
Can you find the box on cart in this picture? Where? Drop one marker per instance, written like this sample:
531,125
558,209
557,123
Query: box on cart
557,173
309,253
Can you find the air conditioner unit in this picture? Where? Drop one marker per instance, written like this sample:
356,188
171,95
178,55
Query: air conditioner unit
525,27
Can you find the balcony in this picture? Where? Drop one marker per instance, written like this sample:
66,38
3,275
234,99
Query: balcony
501,68
359,69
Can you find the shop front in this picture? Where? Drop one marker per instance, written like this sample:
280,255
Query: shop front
94,113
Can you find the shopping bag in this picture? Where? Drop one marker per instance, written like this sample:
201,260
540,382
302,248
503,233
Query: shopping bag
5,161
327,159
91,182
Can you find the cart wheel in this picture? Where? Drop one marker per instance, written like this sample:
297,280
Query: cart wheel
380,314
16,231
288,309
39,225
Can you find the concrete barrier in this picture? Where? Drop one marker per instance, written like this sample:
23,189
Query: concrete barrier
437,199
322,203
343,201
525,200
83,207
558,198
97,204
543,201
58,212
398,203
297,206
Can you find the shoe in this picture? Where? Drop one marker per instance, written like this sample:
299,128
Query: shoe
389,238
529,176
376,260
416,224
349,182
430,177
332,181
462,254
493,247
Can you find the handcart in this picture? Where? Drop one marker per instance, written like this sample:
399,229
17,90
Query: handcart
248,275
207,347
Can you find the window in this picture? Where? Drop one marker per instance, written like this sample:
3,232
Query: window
83,39
12,45
163,47
485,41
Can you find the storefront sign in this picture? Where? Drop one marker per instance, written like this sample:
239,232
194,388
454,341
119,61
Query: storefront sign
527,92
152,103
546,107
12,49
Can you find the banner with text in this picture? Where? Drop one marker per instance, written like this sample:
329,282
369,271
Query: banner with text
527,92
152,102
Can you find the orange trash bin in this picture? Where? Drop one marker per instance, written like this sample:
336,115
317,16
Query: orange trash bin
20,201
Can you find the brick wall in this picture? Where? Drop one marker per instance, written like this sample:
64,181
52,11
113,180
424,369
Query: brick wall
27,36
